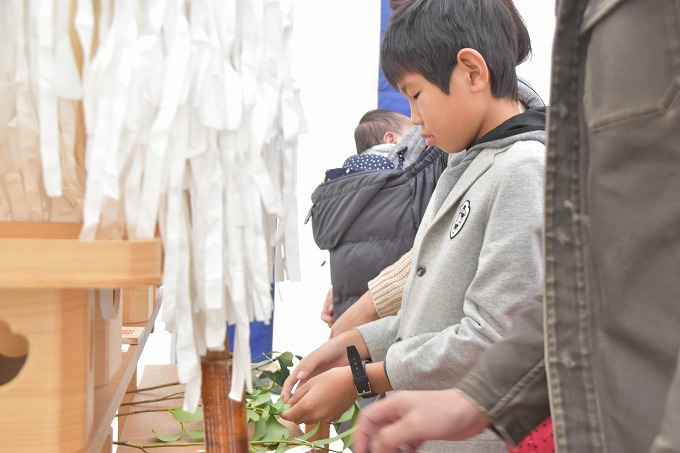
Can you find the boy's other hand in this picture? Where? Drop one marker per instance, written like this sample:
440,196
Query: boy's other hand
323,398
331,354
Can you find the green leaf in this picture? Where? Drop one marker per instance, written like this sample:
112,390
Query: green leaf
183,416
257,382
355,415
260,429
310,433
261,399
197,434
278,407
330,440
287,358
276,430
272,376
347,441
168,437
281,448
346,416
283,372
251,415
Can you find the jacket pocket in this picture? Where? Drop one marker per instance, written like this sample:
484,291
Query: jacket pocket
633,61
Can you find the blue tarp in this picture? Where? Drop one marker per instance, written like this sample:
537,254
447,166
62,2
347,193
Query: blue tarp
388,97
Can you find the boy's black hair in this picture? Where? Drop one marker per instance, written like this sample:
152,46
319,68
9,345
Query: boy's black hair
425,36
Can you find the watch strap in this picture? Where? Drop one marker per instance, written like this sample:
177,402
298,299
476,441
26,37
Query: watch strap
359,375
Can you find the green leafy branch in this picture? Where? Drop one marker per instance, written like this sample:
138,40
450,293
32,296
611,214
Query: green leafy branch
264,406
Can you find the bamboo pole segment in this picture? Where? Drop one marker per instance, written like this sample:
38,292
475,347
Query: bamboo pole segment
226,430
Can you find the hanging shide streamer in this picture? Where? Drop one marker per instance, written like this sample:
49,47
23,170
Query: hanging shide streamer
192,120
41,168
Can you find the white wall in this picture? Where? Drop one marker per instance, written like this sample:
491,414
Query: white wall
336,67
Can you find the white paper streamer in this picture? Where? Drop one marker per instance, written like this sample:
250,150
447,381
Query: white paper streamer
42,15
192,120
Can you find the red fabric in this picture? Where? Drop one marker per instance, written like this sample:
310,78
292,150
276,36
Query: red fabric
539,440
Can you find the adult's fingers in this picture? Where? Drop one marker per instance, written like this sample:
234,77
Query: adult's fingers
372,422
407,419
402,436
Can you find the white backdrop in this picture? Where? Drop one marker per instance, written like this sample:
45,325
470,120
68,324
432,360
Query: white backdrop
336,67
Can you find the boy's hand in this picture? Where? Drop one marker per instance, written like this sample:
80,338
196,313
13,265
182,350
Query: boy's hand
323,398
406,419
330,354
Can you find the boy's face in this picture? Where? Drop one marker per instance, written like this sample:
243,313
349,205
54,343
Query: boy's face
450,121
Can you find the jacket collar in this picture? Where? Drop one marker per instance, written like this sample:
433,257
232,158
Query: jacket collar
477,167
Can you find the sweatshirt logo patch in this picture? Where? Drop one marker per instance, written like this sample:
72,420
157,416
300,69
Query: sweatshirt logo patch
461,217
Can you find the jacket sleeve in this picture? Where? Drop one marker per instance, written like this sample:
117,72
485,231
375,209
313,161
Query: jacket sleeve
387,288
379,336
668,440
509,381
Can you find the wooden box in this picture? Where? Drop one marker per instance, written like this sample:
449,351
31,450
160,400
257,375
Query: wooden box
46,327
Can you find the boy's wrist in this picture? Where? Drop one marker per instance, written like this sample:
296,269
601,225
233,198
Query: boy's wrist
377,378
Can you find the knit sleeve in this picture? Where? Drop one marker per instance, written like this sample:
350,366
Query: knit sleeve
387,288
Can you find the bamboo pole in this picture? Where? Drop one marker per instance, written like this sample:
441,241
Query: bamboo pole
226,428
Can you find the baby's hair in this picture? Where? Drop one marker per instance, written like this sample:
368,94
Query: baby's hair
425,36
374,124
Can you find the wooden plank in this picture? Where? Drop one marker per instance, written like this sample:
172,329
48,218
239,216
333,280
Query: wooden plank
109,397
64,263
39,230
49,255
129,396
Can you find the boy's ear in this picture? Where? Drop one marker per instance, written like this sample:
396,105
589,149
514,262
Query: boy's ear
473,64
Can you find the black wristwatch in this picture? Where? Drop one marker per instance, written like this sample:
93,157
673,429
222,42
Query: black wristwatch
359,373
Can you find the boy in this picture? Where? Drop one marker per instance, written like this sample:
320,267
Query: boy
476,259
